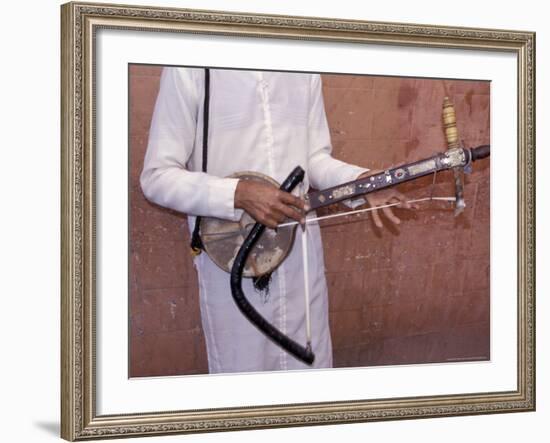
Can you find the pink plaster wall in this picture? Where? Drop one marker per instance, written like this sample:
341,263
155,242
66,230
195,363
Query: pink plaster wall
415,294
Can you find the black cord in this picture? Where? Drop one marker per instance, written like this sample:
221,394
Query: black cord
196,242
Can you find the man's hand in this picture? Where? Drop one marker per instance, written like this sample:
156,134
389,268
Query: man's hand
267,204
384,197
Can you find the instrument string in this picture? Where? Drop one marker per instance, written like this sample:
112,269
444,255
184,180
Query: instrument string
433,185
360,211
243,230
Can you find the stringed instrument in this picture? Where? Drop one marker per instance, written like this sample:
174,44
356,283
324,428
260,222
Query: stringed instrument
222,239
248,248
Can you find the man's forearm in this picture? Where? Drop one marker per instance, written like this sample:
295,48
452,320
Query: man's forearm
194,193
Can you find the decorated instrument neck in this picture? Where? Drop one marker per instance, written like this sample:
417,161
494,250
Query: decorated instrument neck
456,157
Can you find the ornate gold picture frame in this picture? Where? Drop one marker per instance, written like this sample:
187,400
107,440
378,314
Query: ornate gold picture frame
81,23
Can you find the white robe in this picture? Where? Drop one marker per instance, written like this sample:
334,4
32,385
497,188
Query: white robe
268,122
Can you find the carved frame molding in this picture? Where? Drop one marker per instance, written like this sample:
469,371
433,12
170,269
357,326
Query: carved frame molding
80,21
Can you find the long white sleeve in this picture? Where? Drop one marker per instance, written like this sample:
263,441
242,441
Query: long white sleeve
324,170
165,179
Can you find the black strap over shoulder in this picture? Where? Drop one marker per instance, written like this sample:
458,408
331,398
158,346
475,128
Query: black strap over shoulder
196,243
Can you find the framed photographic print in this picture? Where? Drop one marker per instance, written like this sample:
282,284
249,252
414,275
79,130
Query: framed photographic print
394,278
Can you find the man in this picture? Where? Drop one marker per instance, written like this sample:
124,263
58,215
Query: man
267,122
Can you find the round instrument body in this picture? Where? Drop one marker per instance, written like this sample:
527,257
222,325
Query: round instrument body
222,239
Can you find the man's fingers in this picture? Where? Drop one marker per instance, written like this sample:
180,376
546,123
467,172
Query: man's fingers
290,199
269,221
400,198
388,213
376,218
290,212
403,203
277,213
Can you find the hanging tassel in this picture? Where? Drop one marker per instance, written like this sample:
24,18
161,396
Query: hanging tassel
261,285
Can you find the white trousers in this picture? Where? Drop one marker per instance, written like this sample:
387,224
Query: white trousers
234,344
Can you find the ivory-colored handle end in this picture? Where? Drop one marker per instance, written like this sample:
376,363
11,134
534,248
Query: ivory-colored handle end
449,123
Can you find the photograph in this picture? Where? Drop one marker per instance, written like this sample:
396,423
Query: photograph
407,283
280,220
272,221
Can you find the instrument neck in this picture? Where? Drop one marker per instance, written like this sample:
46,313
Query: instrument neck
390,177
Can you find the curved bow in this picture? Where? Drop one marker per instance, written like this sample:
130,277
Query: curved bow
303,353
